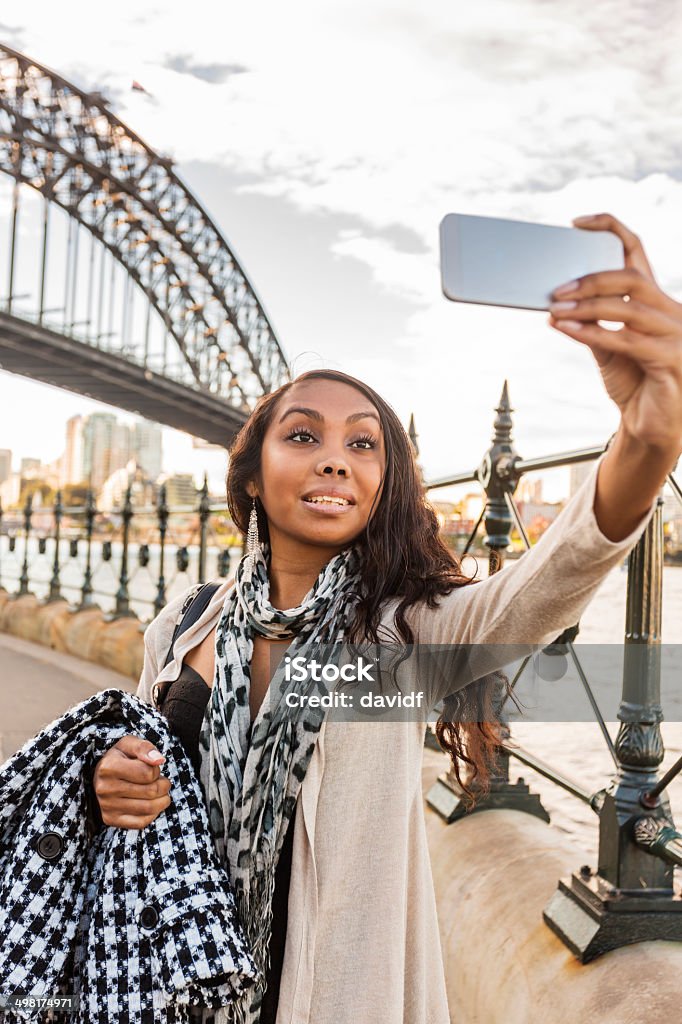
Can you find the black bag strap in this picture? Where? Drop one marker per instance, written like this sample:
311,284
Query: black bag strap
192,610
192,613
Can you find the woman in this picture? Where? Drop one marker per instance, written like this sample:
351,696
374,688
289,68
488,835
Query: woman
350,549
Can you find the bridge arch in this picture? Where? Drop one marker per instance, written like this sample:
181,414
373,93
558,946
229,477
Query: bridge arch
67,145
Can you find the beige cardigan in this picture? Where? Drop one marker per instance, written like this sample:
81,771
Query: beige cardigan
362,942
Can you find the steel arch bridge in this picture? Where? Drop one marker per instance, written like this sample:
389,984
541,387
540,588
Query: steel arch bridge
186,342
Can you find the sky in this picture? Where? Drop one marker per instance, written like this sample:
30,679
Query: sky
329,140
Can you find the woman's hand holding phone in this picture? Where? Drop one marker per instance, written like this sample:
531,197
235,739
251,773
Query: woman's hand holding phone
641,363
128,784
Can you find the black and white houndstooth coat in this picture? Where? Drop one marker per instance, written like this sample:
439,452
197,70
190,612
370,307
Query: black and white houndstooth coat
139,924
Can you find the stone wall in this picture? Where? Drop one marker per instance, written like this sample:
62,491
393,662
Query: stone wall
494,872
117,644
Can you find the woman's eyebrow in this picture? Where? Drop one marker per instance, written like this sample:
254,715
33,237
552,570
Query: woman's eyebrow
315,415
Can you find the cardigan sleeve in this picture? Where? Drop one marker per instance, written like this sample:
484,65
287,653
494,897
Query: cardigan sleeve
481,627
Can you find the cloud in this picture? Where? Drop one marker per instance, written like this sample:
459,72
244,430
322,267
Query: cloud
379,118
12,34
389,113
215,74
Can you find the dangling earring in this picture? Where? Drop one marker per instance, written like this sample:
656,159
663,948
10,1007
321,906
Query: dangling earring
252,538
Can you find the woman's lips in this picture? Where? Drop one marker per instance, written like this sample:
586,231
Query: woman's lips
327,508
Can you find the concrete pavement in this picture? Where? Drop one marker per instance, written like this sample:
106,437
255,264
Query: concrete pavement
37,685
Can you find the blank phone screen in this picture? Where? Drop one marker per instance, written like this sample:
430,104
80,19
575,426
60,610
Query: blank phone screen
518,263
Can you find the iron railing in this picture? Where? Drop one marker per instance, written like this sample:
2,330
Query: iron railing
630,896
128,561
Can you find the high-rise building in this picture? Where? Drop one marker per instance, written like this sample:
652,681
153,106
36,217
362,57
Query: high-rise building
529,490
72,463
112,495
5,464
121,448
10,490
28,467
106,447
97,438
53,472
180,489
146,443
579,472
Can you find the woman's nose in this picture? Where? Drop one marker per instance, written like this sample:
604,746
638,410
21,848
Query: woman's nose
334,467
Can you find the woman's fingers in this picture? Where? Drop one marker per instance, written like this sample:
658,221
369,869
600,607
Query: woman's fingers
130,816
122,789
644,349
117,808
634,314
628,282
137,747
139,808
130,791
610,282
632,245
116,764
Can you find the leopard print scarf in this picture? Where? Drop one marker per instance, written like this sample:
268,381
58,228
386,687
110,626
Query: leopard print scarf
251,775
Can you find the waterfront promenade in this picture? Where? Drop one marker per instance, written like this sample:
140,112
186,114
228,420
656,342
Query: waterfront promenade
38,685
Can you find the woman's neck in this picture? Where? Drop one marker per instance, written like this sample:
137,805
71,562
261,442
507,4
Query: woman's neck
292,574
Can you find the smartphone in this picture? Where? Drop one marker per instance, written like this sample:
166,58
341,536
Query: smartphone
518,263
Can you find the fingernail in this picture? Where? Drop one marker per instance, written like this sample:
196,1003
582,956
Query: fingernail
154,755
569,325
587,216
564,289
556,306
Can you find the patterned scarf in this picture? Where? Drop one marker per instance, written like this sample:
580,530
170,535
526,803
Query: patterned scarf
251,776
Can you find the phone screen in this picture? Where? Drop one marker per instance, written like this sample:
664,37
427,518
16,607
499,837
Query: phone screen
516,263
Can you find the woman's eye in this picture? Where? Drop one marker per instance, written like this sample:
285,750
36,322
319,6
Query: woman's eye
299,433
367,442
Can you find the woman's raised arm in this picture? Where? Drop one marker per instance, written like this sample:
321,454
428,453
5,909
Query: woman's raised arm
484,626
641,367
530,602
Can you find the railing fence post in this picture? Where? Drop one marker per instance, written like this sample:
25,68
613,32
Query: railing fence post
498,476
55,587
630,897
162,516
90,513
122,595
23,579
204,513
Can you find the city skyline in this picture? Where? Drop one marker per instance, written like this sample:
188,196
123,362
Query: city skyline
102,453
559,485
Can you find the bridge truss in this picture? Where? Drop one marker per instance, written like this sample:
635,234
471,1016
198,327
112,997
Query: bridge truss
124,197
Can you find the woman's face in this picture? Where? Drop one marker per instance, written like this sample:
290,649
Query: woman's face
325,441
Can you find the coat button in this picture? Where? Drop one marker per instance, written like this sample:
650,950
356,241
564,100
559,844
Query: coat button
149,917
49,845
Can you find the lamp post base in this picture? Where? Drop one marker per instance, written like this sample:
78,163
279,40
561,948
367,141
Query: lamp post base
448,800
591,916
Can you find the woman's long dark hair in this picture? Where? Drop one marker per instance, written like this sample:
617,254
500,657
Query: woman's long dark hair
403,556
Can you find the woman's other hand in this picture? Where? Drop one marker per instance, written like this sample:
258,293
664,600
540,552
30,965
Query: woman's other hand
641,363
128,784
